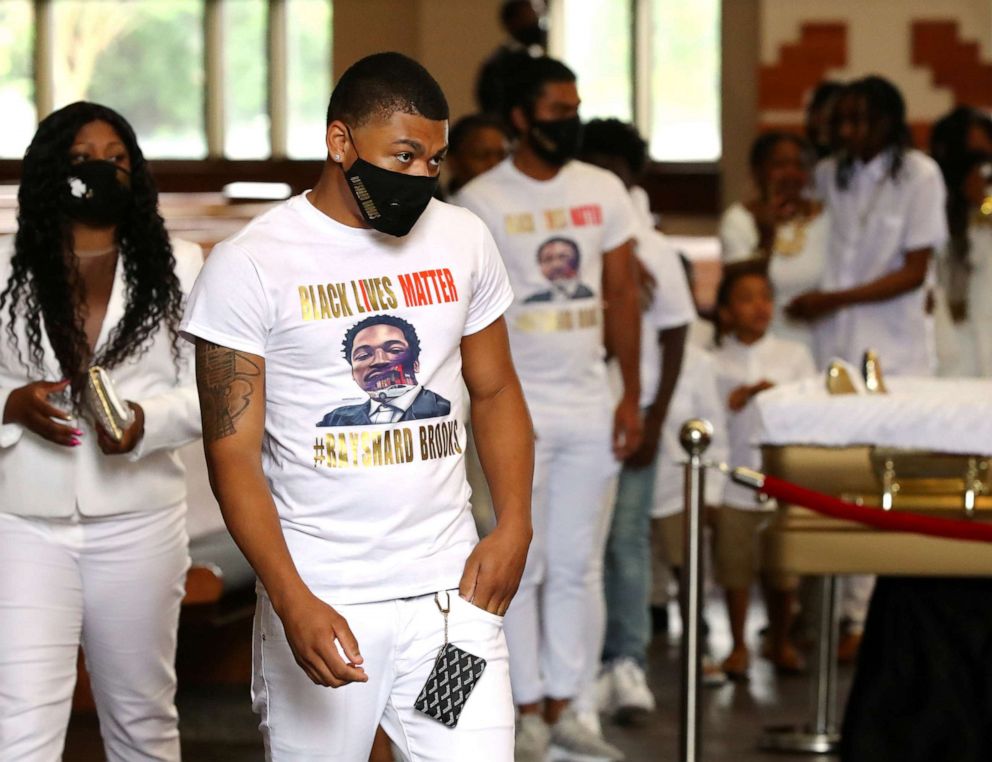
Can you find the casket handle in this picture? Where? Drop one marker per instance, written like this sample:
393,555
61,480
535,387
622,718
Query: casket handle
889,485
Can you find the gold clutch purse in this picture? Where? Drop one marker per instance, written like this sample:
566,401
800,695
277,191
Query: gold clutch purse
109,410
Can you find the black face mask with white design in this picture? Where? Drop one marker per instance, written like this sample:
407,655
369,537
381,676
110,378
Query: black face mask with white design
98,193
391,202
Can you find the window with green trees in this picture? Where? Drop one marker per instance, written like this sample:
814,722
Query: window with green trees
150,60
653,62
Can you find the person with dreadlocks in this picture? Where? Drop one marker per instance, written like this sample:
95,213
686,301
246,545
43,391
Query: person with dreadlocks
885,201
93,545
886,206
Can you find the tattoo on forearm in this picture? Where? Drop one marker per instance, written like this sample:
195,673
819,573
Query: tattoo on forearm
226,380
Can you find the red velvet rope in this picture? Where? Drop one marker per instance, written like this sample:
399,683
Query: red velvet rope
955,529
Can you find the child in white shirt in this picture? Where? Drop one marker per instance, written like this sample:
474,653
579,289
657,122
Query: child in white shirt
748,361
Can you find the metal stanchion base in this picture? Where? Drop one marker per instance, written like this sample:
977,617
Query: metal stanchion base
798,738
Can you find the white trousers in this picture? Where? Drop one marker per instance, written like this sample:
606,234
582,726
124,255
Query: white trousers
113,585
556,623
399,641
855,595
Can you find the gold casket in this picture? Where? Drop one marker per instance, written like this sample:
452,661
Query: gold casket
883,475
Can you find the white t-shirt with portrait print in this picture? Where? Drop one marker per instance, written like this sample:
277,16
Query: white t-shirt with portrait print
365,411
552,235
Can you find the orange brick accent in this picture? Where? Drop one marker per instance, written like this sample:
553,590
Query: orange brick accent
801,65
919,130
955,63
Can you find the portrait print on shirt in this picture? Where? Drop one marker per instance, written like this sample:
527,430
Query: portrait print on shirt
559,260
384,354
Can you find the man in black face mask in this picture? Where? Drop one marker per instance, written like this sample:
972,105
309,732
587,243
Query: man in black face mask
361,534
526,27
539,194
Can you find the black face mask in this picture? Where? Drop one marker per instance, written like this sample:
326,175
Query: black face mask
556,140
391,202
96,194
532,35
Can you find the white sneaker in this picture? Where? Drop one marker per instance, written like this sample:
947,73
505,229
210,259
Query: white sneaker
572,736
532,739
633,698
590,721
605,691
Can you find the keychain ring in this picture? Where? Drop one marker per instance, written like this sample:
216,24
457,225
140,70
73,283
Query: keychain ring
437,602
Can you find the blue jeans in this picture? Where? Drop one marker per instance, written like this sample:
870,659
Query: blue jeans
627,572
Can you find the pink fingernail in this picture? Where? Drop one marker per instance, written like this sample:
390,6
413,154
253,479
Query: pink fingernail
77,432
75,443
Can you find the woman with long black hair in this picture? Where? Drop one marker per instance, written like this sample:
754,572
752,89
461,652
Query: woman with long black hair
961,143
93,545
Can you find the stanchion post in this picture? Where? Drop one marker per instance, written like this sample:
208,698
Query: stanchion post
825,685
695,436
819,735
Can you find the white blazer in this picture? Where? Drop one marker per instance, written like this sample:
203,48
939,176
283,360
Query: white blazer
42,479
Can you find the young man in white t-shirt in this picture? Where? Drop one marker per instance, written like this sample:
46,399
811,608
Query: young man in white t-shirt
565,230
333,336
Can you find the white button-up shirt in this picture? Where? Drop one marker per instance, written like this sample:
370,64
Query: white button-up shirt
875,221
391,410
768,359
39,478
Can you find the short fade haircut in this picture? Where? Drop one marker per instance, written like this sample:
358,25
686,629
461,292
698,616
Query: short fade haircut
611,137
378,86
527,81
409,333
732,274
736,271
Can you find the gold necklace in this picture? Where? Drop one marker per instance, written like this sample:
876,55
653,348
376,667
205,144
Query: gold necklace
983,215
94,253
789,247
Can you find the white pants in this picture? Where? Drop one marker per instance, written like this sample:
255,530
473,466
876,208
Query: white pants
113,585
855,595
556,623
399,641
